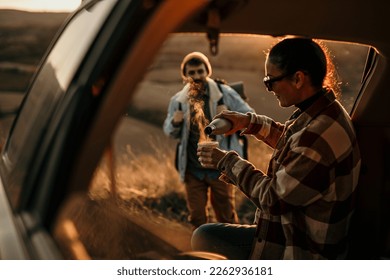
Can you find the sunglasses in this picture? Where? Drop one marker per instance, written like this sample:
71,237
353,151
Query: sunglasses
268,81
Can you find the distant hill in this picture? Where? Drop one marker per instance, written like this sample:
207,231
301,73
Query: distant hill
24,38
15,18
25,35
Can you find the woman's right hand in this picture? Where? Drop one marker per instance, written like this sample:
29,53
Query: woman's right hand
239,120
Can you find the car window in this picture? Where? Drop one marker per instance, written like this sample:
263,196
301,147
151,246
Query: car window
136,189
51,84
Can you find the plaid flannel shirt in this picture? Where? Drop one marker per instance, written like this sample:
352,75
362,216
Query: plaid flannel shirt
306,199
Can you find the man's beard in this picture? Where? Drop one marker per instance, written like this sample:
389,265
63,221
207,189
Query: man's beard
199,85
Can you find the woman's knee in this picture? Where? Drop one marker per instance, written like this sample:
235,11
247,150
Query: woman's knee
200,238
230,240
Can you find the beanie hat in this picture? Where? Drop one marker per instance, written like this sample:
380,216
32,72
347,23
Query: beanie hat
199,56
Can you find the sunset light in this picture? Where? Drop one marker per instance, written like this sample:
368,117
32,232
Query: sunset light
40,5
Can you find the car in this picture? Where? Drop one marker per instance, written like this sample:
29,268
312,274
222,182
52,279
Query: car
85,167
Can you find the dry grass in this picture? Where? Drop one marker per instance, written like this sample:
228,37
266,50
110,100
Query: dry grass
150,182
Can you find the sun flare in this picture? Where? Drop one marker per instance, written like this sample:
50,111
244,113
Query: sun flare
41,5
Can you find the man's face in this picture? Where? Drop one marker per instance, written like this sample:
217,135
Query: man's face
197,73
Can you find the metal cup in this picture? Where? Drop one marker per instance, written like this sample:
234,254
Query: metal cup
209,145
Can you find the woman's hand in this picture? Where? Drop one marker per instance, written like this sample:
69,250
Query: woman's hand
209,157
239,121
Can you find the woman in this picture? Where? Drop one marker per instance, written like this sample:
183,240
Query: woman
306,198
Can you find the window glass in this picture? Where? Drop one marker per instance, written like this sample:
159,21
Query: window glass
70,50
349,62
50,85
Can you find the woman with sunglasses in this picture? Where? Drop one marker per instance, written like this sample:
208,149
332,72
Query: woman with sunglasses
305,200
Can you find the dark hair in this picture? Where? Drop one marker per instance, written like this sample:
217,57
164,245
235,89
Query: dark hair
304,54
194,62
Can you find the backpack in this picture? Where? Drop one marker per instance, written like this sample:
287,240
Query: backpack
237,86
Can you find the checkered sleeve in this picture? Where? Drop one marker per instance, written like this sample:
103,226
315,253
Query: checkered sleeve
264,128
301,173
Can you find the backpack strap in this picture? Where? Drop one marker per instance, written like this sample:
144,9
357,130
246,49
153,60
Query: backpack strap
239,88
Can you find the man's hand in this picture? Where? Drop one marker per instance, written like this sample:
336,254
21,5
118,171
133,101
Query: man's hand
178,117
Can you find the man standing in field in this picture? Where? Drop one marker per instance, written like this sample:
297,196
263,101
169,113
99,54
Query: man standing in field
189,111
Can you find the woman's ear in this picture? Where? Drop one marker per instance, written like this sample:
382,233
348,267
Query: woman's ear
299,79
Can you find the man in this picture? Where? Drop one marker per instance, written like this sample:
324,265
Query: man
306,199
188,112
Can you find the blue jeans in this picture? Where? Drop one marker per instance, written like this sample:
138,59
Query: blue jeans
234,241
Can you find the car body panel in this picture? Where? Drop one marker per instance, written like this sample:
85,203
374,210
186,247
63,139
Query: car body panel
11,241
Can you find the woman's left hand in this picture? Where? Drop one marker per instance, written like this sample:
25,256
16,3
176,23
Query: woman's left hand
209,158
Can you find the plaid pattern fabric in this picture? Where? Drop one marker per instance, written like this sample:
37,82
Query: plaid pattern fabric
306,199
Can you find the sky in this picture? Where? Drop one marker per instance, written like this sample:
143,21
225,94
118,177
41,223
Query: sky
40,5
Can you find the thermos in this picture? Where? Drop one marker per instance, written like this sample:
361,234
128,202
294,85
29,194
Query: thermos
218,126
